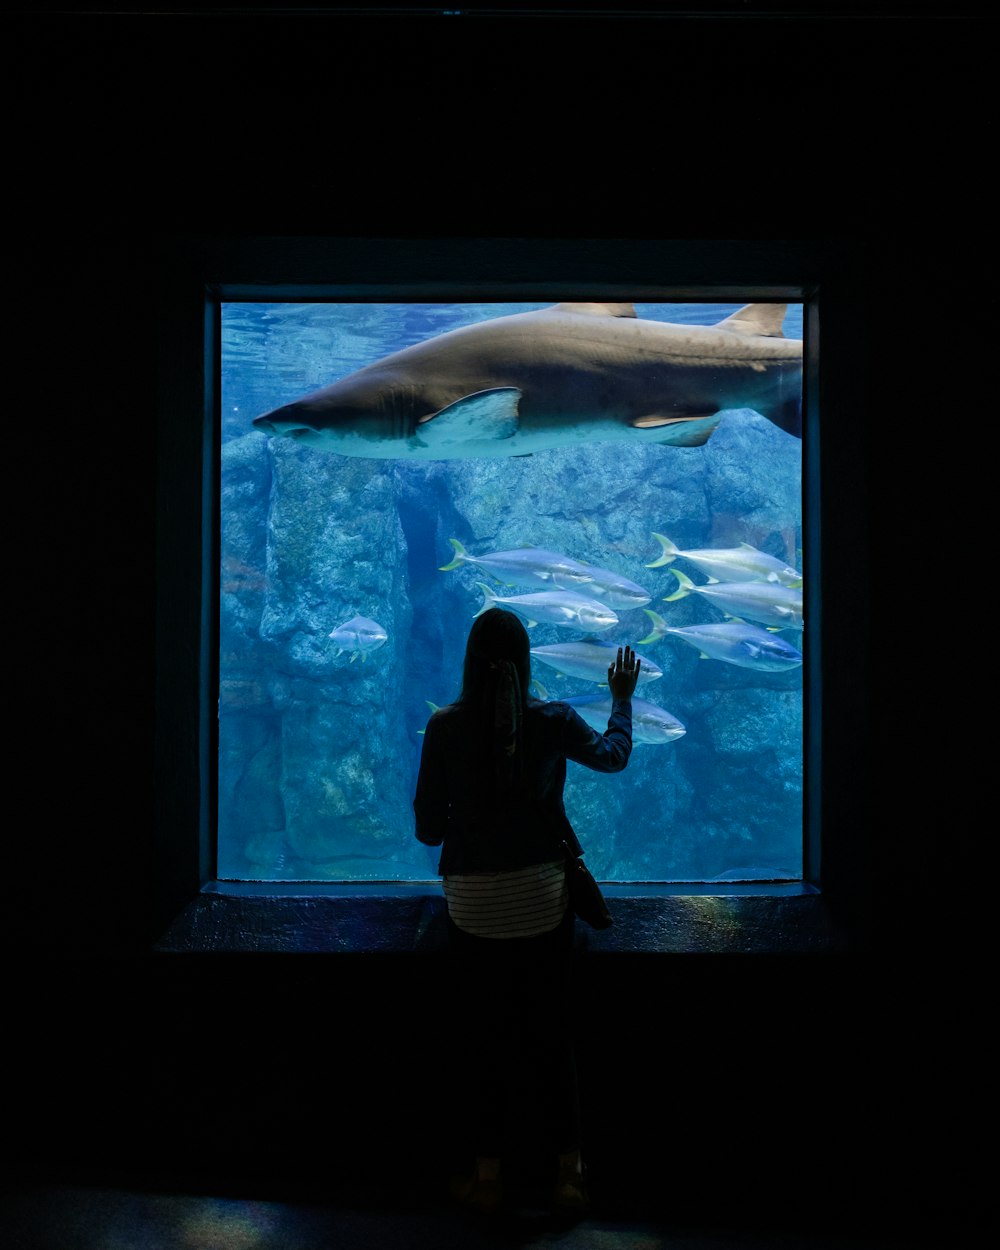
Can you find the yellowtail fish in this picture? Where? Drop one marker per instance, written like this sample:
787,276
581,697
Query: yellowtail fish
555,607
651,725
590,659
729,564
359,635
551,570
767,603
735,642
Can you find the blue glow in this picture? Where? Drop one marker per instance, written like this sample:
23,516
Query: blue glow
319,740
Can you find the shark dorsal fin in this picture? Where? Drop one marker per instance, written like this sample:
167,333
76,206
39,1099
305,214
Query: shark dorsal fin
763,319
596,310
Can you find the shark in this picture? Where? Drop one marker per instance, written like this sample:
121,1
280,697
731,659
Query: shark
562,376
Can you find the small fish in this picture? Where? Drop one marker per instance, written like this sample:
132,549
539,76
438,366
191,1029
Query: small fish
359,635
556,607
590,659
650,724
742,563
550,570
732,641
768,603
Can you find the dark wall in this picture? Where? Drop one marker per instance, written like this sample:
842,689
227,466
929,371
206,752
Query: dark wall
766,1085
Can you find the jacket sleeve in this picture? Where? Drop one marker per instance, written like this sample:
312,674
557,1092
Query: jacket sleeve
605,753
430,802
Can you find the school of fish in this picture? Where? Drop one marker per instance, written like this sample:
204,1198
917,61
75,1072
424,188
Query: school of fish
760,596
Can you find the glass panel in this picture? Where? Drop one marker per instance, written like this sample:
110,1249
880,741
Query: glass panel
353,563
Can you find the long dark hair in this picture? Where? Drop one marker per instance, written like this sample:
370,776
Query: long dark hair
495,680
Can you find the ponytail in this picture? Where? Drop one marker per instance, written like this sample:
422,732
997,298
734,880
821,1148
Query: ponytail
495,682
508,724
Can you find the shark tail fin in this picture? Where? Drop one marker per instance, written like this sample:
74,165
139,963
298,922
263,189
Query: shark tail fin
489,598
667,555
786,414
684,588
460,554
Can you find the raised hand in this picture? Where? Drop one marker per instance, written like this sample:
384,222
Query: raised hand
624,673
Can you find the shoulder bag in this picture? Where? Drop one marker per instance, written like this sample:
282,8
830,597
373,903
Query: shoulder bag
585,895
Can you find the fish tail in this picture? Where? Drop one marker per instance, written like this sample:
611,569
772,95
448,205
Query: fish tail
460,556
668,554
489,598
686,585
659,627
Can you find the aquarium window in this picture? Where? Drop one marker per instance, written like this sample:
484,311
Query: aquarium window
361,531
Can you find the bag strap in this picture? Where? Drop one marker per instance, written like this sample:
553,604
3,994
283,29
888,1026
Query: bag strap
571,856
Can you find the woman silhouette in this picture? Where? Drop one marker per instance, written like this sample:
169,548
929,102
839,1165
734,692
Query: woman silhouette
490,793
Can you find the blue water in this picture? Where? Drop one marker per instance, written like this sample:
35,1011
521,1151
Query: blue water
318,751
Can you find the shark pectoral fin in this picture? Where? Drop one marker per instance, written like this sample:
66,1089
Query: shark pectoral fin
483,416
679,431
652,421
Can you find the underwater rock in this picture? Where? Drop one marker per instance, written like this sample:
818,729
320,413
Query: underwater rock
326,538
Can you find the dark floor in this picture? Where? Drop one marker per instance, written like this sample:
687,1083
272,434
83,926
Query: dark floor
178,1214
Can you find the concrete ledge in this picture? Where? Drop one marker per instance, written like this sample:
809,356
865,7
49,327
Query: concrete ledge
373,919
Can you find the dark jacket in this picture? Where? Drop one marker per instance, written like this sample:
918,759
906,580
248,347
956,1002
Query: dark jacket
455,803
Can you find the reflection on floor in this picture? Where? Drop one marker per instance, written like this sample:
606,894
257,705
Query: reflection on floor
38,1215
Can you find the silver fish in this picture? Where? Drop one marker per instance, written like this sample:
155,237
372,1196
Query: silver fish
735,642
768,603
650,724
730,564
556,607
550,570
359,635
555,377
590,659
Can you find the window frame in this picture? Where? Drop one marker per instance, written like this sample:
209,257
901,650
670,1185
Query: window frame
197,911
